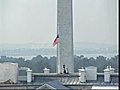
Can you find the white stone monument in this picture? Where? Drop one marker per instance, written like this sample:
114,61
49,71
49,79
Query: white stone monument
65,32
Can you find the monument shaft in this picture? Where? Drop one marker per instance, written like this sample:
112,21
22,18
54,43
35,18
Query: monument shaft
65,32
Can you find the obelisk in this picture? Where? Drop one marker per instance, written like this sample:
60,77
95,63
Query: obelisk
65,32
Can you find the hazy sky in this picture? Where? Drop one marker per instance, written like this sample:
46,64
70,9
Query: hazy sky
34,21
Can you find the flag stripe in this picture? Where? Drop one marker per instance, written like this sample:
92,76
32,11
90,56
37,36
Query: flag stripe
56,40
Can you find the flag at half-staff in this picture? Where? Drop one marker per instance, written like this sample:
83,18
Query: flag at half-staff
56,40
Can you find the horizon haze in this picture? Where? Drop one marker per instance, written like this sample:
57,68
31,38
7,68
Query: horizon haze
35,21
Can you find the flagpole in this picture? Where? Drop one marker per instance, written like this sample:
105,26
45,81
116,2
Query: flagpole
57,53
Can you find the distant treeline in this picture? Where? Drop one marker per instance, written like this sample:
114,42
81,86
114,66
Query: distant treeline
38,63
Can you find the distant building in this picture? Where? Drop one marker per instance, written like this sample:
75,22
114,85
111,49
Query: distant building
3,57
